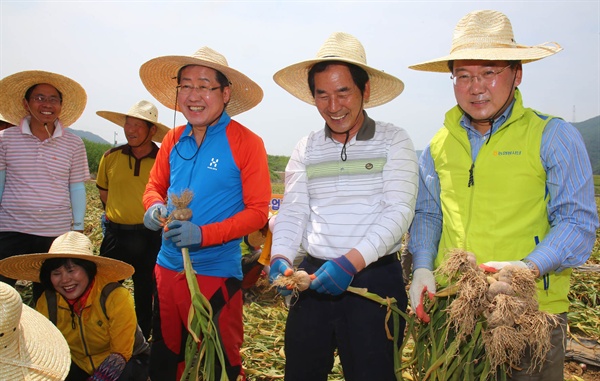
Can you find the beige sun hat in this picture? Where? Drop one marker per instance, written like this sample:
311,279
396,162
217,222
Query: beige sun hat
487,35
72,244
31,347
345,48
159,75
3,119
142,110
13,88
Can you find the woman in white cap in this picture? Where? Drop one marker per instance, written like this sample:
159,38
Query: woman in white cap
31,347
84,299
43,166
506,182
122,177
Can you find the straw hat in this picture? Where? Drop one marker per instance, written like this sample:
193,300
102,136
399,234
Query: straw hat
345,48
3,119
159,75
142,110
13,88
69,245
487,35
31,347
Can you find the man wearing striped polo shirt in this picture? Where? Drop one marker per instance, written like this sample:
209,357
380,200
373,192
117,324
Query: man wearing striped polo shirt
43,166
349,197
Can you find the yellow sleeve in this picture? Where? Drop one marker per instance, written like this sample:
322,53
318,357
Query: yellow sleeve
122,321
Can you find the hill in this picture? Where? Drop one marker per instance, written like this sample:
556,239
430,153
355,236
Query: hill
89,136
590,130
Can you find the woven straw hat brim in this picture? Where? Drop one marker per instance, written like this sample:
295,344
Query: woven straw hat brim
13,88
27,266
120,118
3,119
36,350
294,79
487,35
522,53
159,76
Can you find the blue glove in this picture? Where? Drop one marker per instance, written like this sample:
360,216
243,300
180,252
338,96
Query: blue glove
280,267
153,216
334,276
183,233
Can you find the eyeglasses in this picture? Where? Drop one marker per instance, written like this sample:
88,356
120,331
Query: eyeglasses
487,77
202,90
44,99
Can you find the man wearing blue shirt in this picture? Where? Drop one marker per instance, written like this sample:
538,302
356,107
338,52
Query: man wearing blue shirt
508,183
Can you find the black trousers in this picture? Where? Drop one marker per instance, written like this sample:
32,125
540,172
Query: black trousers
318,324
15,243
139,248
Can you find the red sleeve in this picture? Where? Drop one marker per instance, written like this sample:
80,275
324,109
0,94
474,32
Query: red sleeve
250,156
158,182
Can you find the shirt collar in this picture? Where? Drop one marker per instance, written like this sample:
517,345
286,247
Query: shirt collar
224,120
26,127
465,121
365,132
127,150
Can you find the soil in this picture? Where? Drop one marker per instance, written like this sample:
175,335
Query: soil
585,372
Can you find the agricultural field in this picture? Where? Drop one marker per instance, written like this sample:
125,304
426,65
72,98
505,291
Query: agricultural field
265,312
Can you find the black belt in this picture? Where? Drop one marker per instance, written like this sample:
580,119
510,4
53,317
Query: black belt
385,260
115,226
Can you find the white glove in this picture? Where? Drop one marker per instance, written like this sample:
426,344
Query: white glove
154,215
423,281
493,267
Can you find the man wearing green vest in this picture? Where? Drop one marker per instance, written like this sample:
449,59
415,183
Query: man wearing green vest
510,184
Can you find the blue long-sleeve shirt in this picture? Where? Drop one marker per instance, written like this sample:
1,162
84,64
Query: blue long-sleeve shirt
572,211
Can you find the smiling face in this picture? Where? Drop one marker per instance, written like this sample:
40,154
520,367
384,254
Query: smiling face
70,280
137,132
199,108
485,99
44,104
339,100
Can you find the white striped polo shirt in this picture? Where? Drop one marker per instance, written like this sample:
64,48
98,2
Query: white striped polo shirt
36,198
366,202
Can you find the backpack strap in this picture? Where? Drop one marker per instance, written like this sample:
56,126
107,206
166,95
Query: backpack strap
140,345
52,305
105,292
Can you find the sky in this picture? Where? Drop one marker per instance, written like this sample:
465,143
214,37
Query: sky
102,44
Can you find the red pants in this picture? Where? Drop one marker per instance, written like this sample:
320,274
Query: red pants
172,302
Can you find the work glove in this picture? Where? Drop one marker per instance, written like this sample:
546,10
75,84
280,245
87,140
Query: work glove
494,267
183,233
423,282
110,369
334,276
280,267
154,215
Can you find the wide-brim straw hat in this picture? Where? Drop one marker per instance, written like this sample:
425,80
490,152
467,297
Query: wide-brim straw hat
3,119
69,245
159,75
31,347
487,35
341,47
13,88
141,110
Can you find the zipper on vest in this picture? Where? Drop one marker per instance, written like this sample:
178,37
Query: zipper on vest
471,180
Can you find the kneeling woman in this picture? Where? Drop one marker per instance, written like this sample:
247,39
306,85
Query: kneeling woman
94,313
